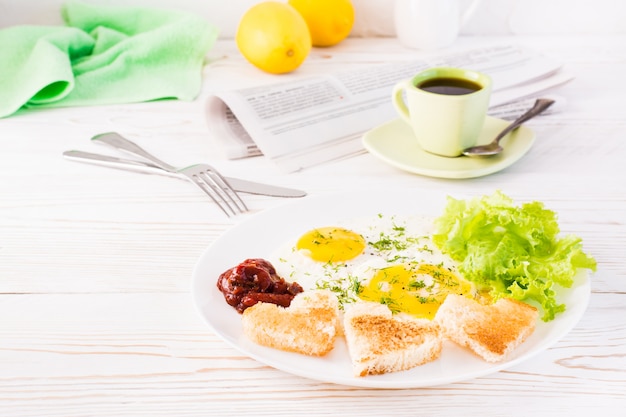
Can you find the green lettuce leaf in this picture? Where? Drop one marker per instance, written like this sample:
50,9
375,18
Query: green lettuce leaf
512,251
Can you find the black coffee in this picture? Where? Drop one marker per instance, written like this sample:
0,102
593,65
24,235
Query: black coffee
449,86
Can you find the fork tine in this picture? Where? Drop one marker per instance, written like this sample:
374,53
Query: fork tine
208,181
211,190
206,177
227,189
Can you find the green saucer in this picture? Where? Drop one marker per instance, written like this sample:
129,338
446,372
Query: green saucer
395,144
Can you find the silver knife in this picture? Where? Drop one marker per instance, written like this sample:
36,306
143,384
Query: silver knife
238,184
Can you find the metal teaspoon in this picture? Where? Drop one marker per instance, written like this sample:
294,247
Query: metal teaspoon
494,147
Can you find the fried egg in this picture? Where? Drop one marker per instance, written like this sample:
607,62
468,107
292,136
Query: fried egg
388,259
414,288
331,244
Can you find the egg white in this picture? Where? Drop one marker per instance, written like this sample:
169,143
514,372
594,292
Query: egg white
391,240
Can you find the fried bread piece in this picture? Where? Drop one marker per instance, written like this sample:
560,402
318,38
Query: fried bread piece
491,331
307,326
379,342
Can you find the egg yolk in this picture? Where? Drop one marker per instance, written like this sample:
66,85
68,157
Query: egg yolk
418,290
331,244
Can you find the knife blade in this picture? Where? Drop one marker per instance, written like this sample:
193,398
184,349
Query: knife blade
240,185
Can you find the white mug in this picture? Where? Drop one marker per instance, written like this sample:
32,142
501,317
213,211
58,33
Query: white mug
430,24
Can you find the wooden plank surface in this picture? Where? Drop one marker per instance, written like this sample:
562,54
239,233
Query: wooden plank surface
96,315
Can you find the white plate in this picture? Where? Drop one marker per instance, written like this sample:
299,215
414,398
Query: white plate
260,235
395,144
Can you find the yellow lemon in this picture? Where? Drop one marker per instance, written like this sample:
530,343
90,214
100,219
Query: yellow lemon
274,37
330,21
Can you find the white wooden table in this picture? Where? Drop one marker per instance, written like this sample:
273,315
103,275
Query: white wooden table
96,316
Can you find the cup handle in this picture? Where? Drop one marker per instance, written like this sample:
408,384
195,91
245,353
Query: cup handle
398,100
467,14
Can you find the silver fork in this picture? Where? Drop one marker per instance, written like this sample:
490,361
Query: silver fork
202,175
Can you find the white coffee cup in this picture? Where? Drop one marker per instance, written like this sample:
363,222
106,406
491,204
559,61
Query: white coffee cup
430,24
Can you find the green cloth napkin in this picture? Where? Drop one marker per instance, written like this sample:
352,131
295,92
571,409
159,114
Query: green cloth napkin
105,55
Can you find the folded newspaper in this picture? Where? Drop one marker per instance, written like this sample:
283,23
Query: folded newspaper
303,123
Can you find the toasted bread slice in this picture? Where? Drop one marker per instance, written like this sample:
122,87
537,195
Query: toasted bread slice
379,342
307,326
491,331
